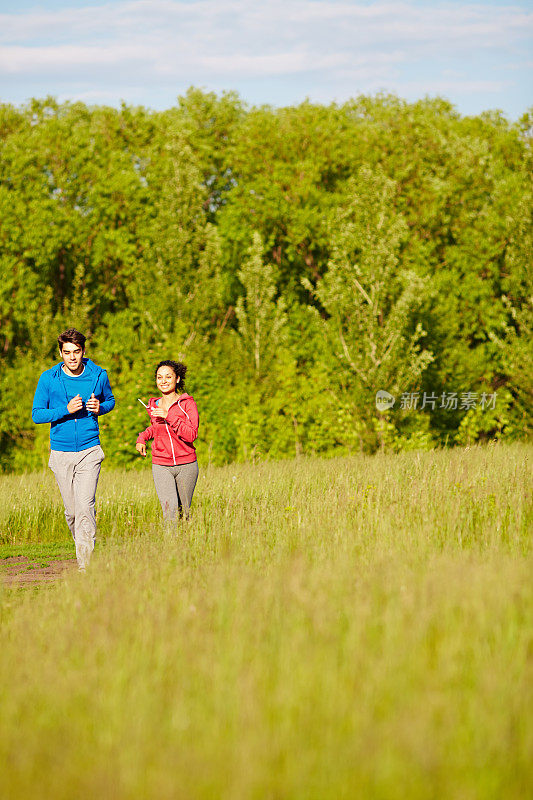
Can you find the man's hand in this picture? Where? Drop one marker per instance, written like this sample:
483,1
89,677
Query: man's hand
159,412
75,404
141,448
93,404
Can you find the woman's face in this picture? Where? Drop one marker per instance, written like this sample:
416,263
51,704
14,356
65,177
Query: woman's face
166,380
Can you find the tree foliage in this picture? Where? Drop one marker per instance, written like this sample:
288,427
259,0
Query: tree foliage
298,259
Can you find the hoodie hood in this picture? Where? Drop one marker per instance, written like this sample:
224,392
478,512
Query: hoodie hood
153,400
89,365
92,369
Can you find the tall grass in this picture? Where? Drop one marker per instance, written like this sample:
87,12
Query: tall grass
442,499
354,628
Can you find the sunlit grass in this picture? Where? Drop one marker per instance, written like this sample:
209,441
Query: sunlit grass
350,628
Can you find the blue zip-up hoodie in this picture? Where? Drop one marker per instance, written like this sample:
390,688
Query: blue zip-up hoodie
71,432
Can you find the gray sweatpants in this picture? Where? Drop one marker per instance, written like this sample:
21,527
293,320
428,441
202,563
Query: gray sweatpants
77,477
175,488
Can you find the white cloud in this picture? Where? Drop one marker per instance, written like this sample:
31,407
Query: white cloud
344,44
14,59
459,86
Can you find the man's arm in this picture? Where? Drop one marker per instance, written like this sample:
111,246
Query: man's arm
107,400
41,412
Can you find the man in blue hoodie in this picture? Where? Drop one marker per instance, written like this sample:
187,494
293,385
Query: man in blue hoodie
71,396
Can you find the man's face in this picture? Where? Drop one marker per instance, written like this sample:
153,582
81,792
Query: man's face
72,355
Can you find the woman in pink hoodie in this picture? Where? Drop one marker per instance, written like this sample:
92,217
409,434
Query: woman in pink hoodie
173,429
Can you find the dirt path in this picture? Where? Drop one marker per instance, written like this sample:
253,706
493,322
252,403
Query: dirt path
23,571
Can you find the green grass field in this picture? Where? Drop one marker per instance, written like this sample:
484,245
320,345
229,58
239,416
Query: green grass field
349,628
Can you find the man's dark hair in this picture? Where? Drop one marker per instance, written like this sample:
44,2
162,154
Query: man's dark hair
177,368
72,336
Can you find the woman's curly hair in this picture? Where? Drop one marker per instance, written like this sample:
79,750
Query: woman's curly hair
177,368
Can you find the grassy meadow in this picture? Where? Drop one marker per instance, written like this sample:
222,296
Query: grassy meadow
322,629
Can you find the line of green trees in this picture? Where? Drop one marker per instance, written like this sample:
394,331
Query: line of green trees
297,259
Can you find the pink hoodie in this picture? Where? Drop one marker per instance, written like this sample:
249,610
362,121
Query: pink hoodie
174,436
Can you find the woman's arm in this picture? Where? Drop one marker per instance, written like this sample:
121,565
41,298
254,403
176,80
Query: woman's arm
142,438
186,427
145,435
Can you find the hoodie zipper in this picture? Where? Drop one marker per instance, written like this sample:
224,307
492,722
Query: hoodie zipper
61,372
171,443
66,397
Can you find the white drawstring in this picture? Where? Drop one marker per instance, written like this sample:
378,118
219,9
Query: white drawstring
182,409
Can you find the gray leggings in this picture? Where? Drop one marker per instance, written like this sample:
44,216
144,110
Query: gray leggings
175,488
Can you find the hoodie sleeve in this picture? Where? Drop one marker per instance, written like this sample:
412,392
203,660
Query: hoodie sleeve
145,435
105,395
41,411
186,427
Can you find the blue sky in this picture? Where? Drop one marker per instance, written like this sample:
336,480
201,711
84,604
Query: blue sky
478,54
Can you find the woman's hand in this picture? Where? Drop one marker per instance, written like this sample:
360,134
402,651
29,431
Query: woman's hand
159,412
141,448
